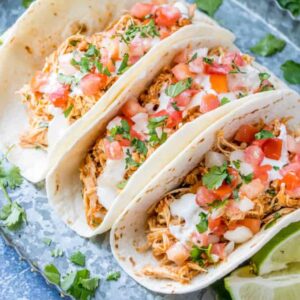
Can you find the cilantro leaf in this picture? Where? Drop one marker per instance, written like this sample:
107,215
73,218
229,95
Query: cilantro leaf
154,123
195,55
247,178
176,89
123,130
199,255
237,163
68,280
264,76
202,226
209,6
264,134
57,252
124,64
113,276
130,161
90,283
214,178
13,216
217,204
268,46
208,60
140,146
174,105
92,51
52,274
26,3
224,101
78,258
291,71
11,178
66,79
292,5
47,241
276,168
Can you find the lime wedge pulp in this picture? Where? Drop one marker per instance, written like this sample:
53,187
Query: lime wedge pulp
242,285
283,249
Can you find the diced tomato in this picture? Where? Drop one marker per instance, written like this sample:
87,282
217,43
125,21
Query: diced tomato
92,84
182,71
292,145
38,80
106,60
233,58
136,47
59,98
253,155
246,134
214,223
204,196
174,119
253,189
184,98
164,32
272,148
200,239
219,83
141,10
167,16
220,230
197,65
234,175
223,192
252,224
219,249
291,168
181,57
209,102
216,68
114,50
123,142
261,172
113,150
131,108
135,134
231,209
291,181
160,113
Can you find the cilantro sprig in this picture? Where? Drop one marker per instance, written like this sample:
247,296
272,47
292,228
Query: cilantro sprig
153,124
215,176
202,226
113,276
200,254
268,46
176,89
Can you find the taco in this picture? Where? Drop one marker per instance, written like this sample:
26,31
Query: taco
229,192
187,88
47,94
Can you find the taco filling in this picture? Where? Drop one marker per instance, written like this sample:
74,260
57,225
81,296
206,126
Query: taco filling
241,185
196,82
83,68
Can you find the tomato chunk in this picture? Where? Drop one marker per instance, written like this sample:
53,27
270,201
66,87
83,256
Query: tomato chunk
216,68
246,133
59,98
141,10
204,196
272,148
223,192
174,119
252,189
219,83
113,150
291,181
38,80
219,249
261,172
253,155
252,224
209,102
167,16
91,84
131,108
182,71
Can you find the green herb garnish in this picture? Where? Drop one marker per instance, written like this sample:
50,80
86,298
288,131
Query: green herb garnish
78,259
264,134
268,46
124,64
26,3
154,123
176,89
214,178
130,162
203,223
208,60
68,110
209,6
113,276
139,146
276,168
292,5
57,252
247,178
52,274
47,241
291,71
122,184
174,105
224,101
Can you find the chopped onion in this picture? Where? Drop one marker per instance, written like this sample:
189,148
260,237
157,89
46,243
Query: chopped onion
239,235
213,158
229,248
245,204
113,123
237,155
245,168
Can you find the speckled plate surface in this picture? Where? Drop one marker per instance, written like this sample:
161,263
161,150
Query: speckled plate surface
250,20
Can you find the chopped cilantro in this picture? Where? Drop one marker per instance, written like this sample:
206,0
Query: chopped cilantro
264,134
276,168
268,46
292,5
203,223
124,64
122,184
26,3
208,60
130,162
152,125
195,55
66,79
247,178
291,71
198,255
237,163
174,105
68,110
52,274
78,259
224,101
209,6
123,130
57,252
214,178
113,276
92,51
217,204
264,76
176,89
47,241
140,146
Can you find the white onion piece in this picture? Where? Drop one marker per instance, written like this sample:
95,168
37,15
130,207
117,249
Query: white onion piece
229,248
141,122
213,158
245,168
239,235
215,258
245,204
113,123
237,155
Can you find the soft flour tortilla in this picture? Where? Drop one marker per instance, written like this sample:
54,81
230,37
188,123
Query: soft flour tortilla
129,230
43,27
63,182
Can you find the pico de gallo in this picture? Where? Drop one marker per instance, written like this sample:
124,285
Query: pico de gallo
83,68
196,82
240,186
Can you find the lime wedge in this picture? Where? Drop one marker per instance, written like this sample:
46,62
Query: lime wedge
283,249
242,285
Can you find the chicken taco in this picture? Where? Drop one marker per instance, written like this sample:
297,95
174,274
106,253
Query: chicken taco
218,202
95,43
191,87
